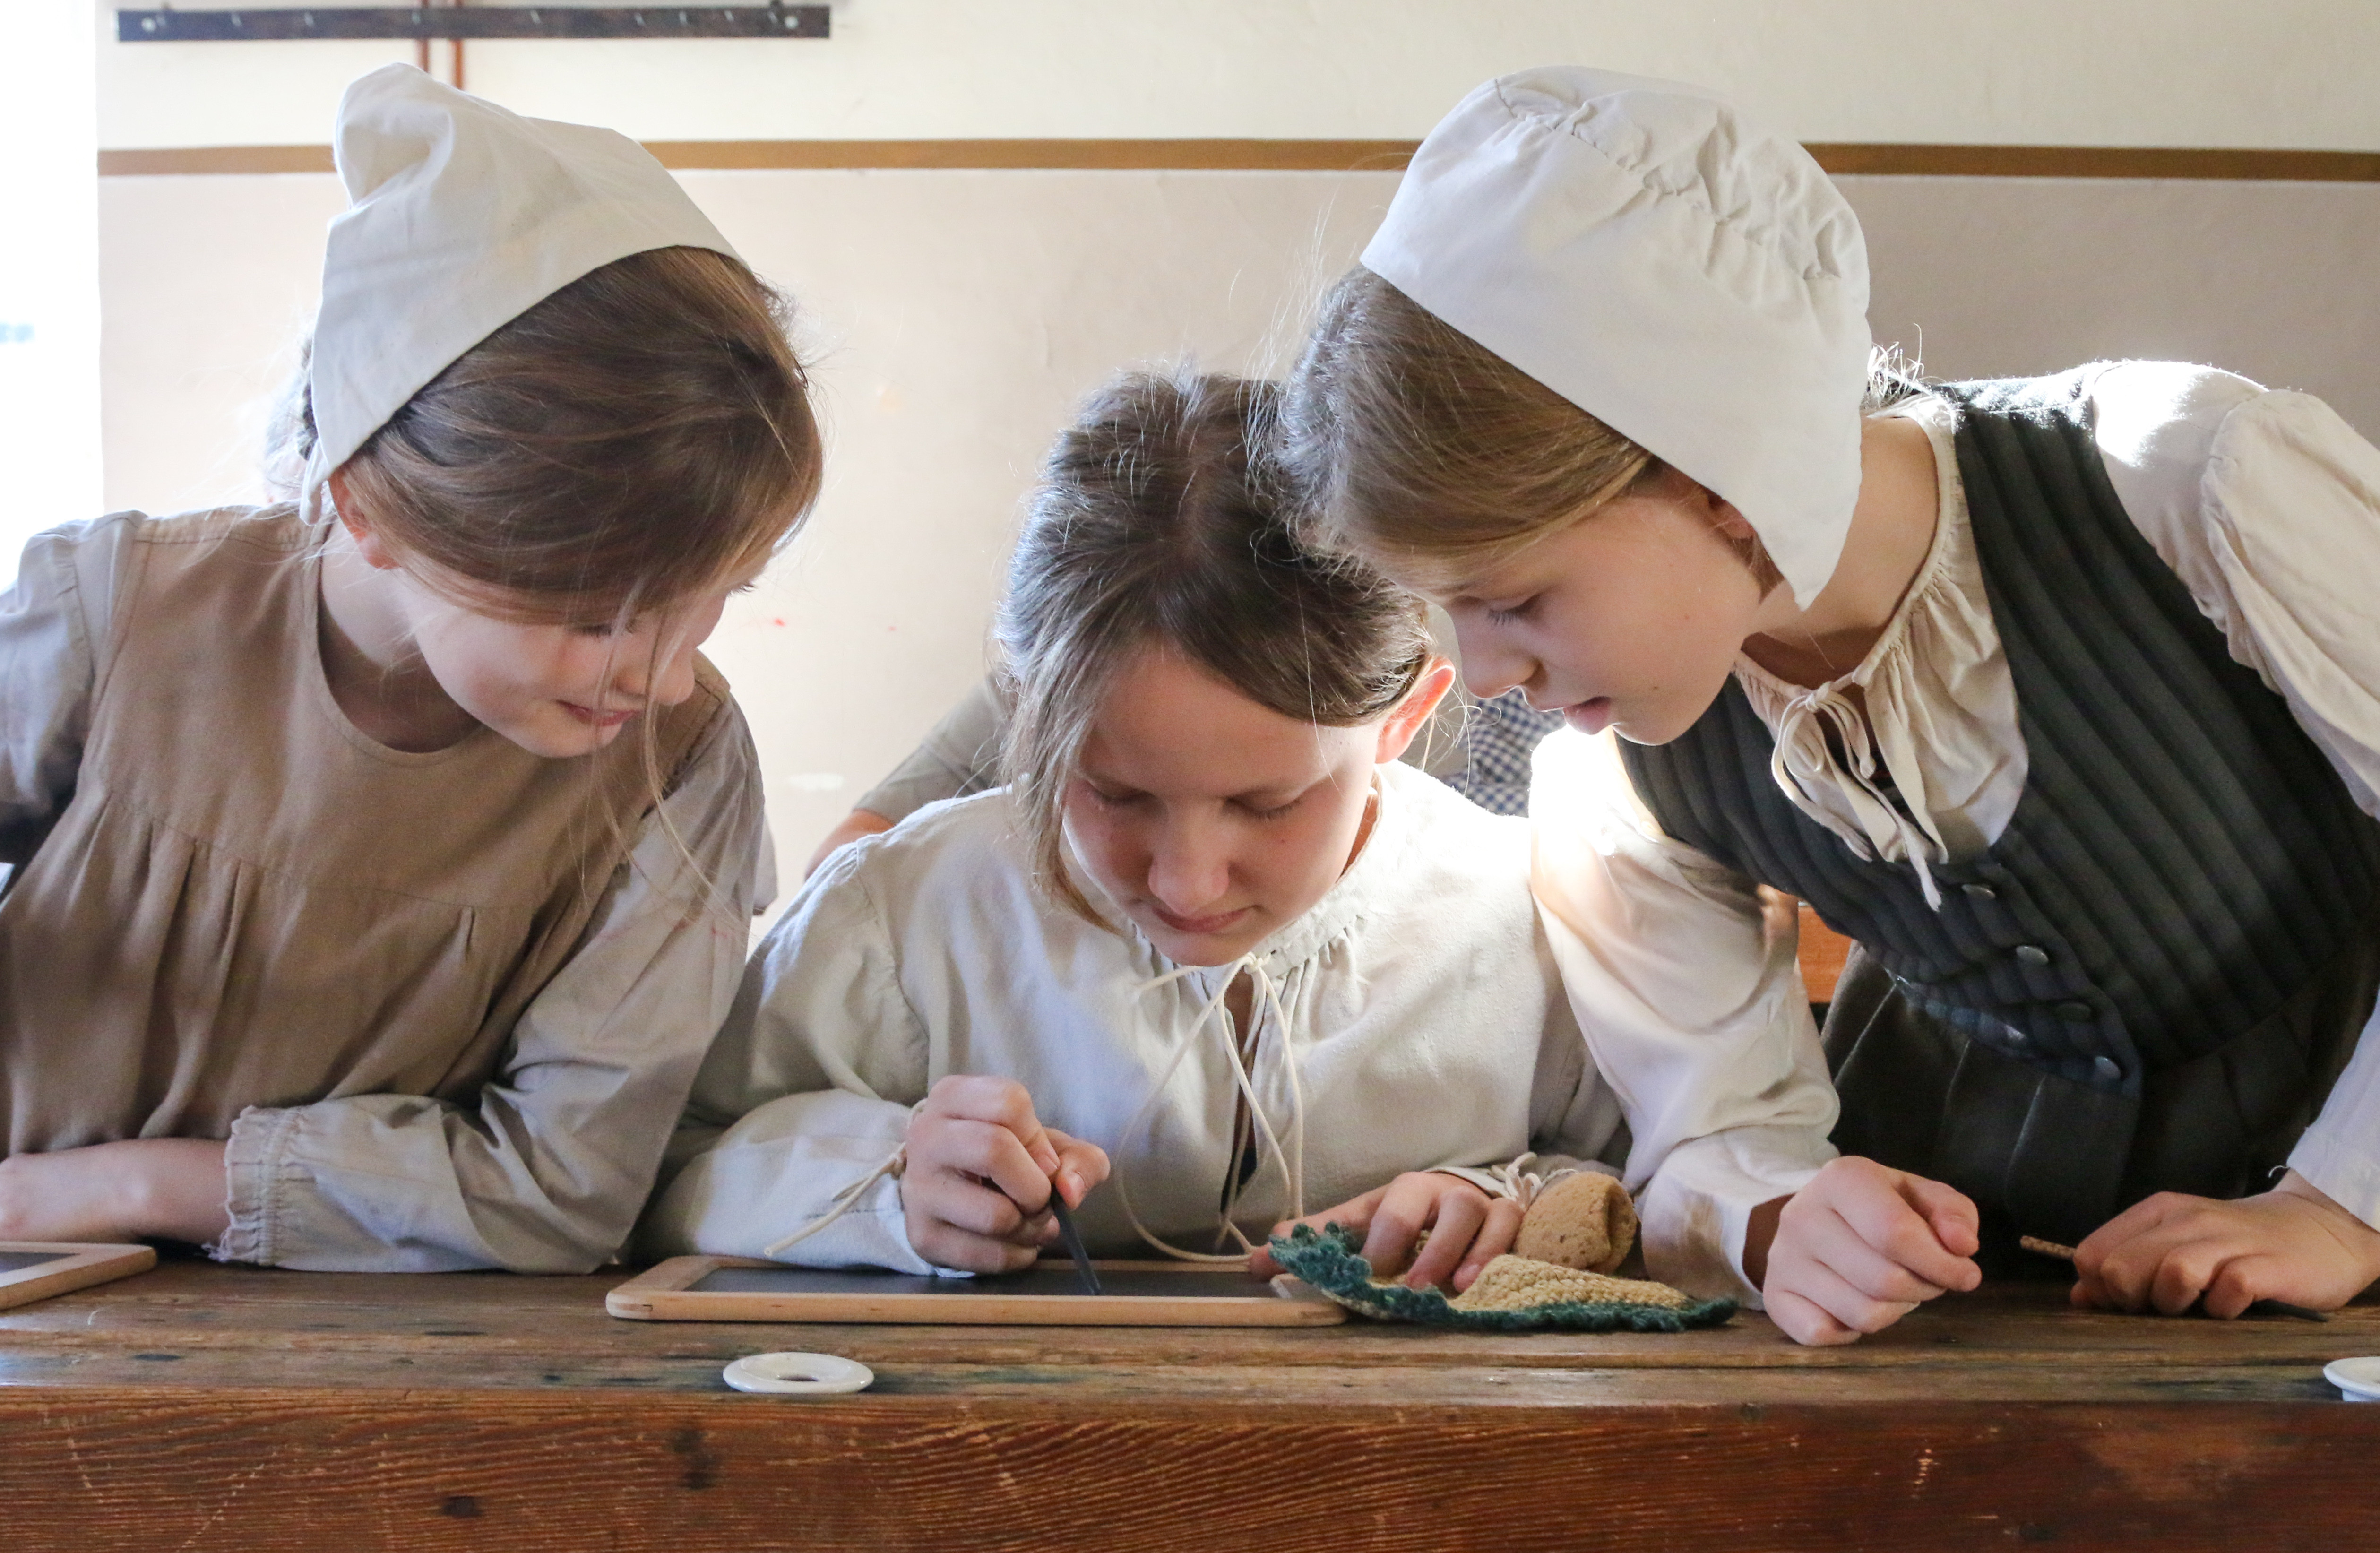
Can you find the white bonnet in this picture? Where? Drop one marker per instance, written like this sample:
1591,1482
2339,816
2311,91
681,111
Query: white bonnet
462,216
1689,279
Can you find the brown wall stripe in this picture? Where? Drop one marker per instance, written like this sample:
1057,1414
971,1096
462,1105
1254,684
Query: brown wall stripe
1924,160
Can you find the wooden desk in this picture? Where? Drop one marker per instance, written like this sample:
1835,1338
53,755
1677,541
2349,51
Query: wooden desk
203,1408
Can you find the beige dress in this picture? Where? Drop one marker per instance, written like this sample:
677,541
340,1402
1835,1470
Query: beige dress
445,1007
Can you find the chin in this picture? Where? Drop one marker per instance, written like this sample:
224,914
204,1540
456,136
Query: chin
567,742
1661,725
1197,949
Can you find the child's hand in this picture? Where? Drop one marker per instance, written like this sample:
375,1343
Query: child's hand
1862,1246
138,1189
1468,1229
2290,1243
976,1191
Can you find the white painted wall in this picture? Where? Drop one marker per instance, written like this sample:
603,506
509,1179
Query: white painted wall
49,262
955,316
2276,73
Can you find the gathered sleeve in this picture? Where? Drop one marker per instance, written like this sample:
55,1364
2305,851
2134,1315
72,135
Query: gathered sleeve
1690,997
2267,504
546,1170
52,629
806,1096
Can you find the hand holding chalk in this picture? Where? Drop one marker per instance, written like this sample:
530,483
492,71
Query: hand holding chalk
2172,1253
981,1168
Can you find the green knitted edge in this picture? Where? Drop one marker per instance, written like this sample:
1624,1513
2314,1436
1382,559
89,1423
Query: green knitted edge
1329,1262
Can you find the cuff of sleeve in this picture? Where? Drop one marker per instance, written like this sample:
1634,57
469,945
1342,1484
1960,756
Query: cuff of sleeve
2341,1171
259,1140
1698,1206
875,1234
1486,1179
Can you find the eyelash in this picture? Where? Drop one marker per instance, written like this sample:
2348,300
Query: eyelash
1110,800
1518,612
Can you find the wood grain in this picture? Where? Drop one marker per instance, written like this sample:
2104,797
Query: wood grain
421,1474
206,1408
1262,155
1822,954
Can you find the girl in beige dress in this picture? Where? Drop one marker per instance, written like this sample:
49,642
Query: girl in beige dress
382,861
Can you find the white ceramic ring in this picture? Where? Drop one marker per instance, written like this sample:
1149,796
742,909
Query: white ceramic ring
800,1375
2358,1379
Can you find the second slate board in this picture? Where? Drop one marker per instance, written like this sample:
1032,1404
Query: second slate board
1048,1295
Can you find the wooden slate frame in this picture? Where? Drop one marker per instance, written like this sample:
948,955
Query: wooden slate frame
75,1266
666,1292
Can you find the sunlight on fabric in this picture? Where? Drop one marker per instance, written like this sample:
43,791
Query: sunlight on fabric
49,271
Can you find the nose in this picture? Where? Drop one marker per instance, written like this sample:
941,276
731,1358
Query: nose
1490,666
654,673
1189,869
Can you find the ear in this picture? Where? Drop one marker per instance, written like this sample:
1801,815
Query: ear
1402,725
369,544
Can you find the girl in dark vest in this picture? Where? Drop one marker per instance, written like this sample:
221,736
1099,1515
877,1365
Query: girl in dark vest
2058,696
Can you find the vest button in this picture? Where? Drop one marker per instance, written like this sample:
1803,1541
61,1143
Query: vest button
2031,955
2077,1011
1980,892
2106,1068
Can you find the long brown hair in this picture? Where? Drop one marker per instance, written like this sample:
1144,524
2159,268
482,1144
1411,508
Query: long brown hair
634,438
1158,522
641,435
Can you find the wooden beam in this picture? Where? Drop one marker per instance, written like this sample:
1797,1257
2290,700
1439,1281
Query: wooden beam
1255,155
2098,162
423,1471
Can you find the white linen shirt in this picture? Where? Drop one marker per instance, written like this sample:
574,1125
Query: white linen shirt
2267,506
1420,1003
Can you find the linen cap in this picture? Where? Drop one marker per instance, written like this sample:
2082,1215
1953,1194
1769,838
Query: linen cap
462,216
1689,279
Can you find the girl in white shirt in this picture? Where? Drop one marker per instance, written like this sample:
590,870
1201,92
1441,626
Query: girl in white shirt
383,860
1215,945
2059,695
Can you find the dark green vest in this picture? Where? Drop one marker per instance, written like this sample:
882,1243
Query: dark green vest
2183,886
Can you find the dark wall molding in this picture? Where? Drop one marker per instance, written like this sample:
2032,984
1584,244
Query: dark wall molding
1228,155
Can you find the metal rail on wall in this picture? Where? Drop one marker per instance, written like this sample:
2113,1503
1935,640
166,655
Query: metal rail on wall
285,24
456,22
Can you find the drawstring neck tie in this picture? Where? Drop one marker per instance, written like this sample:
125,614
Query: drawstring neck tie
1802,755
1292,1160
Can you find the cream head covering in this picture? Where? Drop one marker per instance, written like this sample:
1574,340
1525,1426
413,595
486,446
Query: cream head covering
462,216
1688,278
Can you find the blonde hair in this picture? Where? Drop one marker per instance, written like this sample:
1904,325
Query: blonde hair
1420,449
1157,523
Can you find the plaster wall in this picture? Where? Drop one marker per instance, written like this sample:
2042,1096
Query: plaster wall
955,316
2279,73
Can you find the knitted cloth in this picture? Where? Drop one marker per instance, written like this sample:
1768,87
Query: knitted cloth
1512,1293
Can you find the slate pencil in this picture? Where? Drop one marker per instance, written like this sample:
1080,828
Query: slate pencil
2040,1247
1073,1240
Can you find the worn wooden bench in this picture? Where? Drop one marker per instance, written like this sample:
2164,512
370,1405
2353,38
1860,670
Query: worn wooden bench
198,1407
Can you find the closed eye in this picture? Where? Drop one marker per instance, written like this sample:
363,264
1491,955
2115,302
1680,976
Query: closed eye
1507,614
